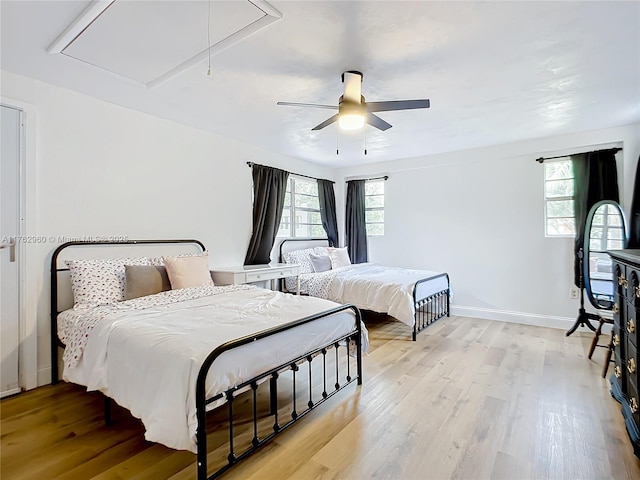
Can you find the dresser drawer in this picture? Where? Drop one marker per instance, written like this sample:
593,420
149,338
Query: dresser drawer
619,351
620,279
630,325
633,286
618,304
631,365
634,402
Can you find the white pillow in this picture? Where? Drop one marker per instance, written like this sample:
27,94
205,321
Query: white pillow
100,282
339,257
188,272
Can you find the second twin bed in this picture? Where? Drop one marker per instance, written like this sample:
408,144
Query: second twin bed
416,298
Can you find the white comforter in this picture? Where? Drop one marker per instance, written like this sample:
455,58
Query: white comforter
147,358
378,288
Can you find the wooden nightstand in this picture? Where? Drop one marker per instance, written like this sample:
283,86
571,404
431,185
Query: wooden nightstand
256,273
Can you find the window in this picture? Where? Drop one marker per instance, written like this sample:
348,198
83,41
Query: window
558,198
301,204
374,206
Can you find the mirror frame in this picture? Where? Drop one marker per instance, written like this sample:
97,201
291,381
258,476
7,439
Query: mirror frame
585,250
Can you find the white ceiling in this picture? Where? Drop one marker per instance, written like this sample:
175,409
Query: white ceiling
495,72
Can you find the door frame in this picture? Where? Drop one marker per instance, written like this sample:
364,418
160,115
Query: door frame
27,289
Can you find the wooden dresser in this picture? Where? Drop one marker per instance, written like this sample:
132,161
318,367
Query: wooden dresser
624,381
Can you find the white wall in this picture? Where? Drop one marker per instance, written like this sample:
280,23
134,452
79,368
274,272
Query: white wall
479,215
101,169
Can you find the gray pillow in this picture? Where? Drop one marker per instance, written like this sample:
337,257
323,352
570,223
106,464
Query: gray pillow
142,280
320,263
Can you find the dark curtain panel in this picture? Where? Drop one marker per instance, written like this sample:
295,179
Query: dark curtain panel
269,189
634,220
356,225
595,178
327,199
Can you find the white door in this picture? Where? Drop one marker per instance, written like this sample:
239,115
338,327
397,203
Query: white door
10,149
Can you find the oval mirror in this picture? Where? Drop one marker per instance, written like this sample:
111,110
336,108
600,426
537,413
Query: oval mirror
605,229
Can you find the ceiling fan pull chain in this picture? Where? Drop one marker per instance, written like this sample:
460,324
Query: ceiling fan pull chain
337,143
209,37
365,139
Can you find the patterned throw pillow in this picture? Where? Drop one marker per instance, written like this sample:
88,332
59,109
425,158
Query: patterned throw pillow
100,282
301,257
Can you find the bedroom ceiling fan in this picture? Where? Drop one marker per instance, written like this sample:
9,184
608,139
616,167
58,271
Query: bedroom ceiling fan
354,111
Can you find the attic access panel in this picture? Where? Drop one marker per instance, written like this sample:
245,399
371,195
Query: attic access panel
143,41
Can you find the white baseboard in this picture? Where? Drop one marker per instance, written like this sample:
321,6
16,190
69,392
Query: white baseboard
44,376
563,323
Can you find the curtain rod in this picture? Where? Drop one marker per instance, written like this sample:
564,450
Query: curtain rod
385,178
542,159
251,164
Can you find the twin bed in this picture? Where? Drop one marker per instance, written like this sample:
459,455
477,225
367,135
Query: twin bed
172,356
416,298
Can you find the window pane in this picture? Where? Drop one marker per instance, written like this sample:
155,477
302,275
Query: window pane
560,208
374,201
318,231
375,229
304,216
596,232
307,201
374,216
284,229
598,220
615,220
615,233
559,188
615,245
561,226
307,187
560,169
374,187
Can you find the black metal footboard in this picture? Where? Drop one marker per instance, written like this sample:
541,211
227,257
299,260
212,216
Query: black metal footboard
332,382
432,307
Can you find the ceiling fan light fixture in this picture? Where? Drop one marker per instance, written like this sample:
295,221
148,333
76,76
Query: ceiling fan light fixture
351,121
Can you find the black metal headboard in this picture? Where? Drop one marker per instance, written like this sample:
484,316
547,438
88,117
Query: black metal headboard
56,271
302,243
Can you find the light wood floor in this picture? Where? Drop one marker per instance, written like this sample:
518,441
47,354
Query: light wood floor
471,399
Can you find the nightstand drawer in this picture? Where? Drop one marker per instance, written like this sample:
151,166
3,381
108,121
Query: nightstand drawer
270,275
257,276
271,272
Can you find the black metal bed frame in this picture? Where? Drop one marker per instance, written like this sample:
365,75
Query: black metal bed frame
427,309
344,342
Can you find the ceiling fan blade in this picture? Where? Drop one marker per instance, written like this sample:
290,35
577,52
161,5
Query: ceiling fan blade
327,122
377,122
397,105
313,105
